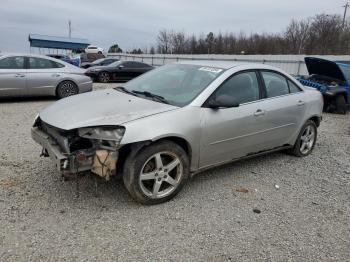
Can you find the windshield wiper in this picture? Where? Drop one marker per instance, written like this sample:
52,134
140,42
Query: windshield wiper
124,90
151,95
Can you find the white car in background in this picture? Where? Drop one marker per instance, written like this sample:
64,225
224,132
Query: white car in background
94,50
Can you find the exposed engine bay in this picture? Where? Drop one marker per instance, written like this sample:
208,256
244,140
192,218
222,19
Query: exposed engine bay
81,149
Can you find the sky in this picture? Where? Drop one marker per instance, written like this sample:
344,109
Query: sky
136,23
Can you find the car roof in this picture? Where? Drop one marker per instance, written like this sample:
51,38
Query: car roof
226,64
26,54
38,56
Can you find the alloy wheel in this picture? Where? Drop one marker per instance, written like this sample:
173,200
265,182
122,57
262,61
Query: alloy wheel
67,89
307,139
161,174
104,77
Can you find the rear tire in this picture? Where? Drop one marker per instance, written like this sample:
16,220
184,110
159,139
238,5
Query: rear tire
66,88
340,104
306,140
156,173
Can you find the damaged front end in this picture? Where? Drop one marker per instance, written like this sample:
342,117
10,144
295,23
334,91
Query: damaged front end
79,150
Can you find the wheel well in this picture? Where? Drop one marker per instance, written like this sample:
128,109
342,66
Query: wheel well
345,96
316,120
62,82
133,148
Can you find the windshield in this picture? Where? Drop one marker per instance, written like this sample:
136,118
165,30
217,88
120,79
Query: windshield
98,61
345,68
177,84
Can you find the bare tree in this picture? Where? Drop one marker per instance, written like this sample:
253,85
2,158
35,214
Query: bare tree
163,41
296,35
321,34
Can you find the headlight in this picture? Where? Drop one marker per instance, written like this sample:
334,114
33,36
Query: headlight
109,133
94,70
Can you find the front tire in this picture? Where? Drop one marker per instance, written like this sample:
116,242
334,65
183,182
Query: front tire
104,77
306,140
66,88
157,172
340,104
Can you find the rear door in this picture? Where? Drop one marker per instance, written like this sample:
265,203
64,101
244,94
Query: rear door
134,69
284,107
130,70
141,68
13,76
43,76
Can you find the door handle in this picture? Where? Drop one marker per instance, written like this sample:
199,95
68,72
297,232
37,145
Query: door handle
19,75
259,112
56,75
301,103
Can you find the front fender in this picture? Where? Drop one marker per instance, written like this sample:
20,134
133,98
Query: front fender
335,91
182,123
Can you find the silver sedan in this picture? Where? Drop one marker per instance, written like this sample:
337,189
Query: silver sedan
177,120
36,75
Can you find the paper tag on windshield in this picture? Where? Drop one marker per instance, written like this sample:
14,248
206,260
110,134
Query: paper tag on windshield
211,69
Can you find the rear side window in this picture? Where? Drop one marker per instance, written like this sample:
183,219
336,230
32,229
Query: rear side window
243,87
293,88
276,84
134,65
41,63
14,62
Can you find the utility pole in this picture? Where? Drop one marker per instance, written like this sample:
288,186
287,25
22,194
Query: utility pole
70,28
345,9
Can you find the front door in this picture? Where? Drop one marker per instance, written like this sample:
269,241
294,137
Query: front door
13,76
231,133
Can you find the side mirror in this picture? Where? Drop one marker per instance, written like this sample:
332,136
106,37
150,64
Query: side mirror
223,101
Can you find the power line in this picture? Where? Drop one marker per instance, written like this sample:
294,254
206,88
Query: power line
69,29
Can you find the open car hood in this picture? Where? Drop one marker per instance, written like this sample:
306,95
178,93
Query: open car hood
319,66
105,107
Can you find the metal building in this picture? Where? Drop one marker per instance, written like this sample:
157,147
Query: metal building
55,42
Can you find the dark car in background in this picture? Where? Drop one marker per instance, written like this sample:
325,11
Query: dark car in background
99,62
332,79
66,58
118,71
90,57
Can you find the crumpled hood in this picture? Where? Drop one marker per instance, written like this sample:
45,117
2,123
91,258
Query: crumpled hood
105,107
319,66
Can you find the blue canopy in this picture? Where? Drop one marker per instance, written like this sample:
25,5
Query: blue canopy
44,41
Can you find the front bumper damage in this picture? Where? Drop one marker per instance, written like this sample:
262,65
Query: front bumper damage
101,161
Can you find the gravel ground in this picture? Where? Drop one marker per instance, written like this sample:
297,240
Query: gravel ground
306,219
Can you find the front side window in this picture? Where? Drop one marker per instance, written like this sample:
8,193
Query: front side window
243,87
41,63
178,84
276,84
14,62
